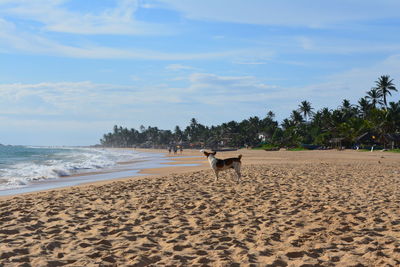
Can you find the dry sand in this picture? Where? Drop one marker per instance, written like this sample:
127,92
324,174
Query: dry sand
317,208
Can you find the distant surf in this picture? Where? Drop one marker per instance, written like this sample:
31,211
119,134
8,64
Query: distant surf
22,166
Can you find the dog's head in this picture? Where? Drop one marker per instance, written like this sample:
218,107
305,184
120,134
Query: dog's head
208,154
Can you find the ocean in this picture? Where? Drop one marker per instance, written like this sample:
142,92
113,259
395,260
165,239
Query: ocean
28,168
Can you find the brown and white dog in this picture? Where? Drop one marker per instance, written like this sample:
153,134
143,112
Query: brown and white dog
223,164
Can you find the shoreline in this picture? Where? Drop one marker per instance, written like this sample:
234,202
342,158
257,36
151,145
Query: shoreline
124,170
191,160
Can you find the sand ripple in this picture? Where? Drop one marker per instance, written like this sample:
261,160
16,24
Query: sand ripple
343,214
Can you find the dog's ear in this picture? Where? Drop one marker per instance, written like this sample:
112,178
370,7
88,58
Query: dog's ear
205,153
215,152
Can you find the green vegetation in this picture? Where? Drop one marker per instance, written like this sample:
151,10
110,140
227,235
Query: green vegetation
267,147
297,149
373,117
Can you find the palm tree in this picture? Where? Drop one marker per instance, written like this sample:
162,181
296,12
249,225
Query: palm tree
384,85
345,105
305,108
346,110
178,134
270,114
374,96
296,117
364,106
392,117
286,124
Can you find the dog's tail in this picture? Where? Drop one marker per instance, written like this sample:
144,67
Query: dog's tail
239,157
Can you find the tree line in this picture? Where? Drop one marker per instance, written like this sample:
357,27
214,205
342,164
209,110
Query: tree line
372,113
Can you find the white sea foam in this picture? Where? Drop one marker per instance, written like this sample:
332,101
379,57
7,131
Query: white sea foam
62,163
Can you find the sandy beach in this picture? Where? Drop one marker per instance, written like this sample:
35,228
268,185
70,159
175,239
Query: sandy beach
306,208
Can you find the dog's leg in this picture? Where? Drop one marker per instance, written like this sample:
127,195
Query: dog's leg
237,169
216,176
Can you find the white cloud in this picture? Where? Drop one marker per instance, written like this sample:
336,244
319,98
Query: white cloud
177,67
329,45
306,43
108,101
79,98
215,89
55,17
12,40
362,79
98,100
235,97
351,84
308,13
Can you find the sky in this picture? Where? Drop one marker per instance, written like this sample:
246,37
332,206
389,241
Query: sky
70,69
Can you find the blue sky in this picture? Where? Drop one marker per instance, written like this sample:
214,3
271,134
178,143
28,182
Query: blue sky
70,70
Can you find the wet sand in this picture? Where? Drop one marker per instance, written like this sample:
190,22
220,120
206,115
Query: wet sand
314,208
